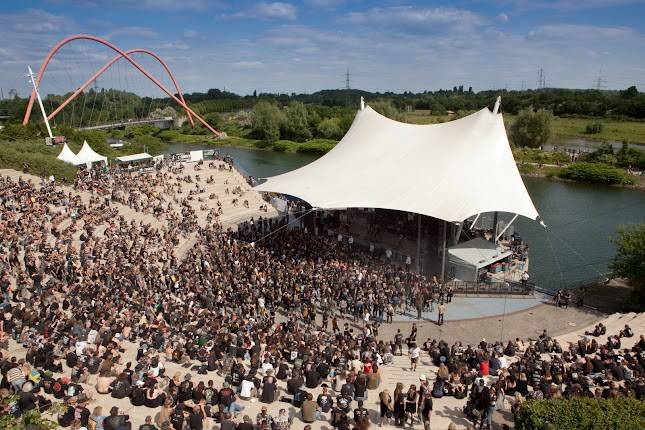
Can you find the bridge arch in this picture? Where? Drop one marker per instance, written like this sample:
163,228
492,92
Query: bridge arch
122,54
109,64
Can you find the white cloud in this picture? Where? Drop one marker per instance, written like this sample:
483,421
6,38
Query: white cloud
275,10
278,10
570,32
414,19
137,32
569,5
325,4
190,33
176,45
502,17
38,21
248,65
198,5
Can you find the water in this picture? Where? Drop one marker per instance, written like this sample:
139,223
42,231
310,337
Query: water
580,218
259,164
585,145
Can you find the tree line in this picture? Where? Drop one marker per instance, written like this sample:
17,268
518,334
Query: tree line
96,105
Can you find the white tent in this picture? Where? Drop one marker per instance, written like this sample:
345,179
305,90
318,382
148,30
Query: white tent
468,257
196,155
87,156
449,171
134,157
67,155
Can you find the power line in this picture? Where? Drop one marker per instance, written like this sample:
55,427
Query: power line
541,84
347,79
600,82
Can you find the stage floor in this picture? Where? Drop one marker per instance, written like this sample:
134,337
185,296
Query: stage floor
465,308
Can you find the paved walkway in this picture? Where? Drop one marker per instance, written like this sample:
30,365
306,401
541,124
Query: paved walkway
465,308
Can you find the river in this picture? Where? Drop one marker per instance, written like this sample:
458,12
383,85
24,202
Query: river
580,218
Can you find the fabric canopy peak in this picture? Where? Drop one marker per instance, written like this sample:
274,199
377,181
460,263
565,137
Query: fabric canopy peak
450,171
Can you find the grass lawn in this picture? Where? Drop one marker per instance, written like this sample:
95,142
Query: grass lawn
633,131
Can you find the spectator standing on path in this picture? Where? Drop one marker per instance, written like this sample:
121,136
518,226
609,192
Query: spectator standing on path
426,409
414,356
398,342
441,310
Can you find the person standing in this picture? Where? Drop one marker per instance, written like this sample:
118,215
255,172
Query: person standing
426,409
411,404
441,310
398,342
414,356
399,405
386,407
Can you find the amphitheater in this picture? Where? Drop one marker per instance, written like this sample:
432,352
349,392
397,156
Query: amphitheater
567,325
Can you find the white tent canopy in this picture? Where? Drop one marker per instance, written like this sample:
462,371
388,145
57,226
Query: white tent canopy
449,171
134,157
87,156
67,155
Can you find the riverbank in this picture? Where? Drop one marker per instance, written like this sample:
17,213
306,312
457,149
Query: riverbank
551,172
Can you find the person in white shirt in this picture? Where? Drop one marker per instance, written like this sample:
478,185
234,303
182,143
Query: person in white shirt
414,356
247,389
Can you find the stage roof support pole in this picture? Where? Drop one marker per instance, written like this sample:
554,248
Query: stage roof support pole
472,226
443,254
419,243
506,227
460,226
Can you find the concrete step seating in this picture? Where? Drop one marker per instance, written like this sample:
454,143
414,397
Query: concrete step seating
614,323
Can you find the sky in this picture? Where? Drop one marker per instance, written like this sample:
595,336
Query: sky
308,45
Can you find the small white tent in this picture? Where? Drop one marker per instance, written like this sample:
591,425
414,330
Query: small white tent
88,156
67,155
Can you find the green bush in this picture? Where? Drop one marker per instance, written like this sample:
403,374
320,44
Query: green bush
280,146
596,173
593,128
535,155
317,146
41,159
590,414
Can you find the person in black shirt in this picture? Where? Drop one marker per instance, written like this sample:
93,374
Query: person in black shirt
312,378
325,400
246,424
196,417
426,409
148,425
360,412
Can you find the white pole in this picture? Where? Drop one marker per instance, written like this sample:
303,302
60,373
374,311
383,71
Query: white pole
506,228
497,102
40,102
472,226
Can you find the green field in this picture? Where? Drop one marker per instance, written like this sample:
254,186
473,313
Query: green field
632,131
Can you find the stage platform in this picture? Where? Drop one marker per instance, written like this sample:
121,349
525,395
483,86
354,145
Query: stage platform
467,308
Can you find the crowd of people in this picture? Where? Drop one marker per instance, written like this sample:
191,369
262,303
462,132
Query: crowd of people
102,308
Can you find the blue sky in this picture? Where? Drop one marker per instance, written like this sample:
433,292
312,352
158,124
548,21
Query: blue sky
307,45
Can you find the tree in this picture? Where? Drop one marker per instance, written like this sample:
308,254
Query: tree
629,261
266,120
629,93
387,108
532,128
213,119
329,129
296,126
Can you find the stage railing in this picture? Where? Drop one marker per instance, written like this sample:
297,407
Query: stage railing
491,288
